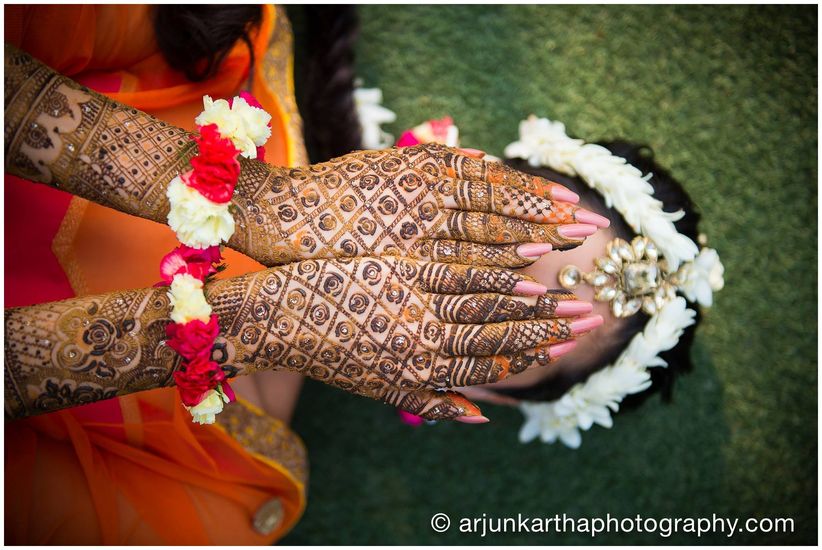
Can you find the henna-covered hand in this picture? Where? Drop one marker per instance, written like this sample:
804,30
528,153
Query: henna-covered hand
394,329
428,202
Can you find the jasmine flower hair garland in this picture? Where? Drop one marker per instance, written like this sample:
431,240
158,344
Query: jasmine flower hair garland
545,143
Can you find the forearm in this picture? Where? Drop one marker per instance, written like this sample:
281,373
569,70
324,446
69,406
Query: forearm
63,354
69,137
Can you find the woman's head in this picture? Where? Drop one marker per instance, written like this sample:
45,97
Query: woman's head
195,39
604,345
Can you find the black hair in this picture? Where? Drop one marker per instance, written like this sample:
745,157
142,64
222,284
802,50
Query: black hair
194,39
331,124
673,197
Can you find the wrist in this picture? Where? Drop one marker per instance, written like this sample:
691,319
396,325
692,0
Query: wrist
264,200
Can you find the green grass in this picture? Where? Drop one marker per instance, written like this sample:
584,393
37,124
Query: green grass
727,98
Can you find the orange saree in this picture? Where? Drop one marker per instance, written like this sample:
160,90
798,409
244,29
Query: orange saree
135,470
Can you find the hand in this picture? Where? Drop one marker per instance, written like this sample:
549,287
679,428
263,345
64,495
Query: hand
392,329
397,330
427,202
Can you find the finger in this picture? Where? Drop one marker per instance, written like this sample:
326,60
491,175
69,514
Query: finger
443,278
514,202
450,372
466,168
470,253
479,393
473,153
496,308
503,338
482,227
436,405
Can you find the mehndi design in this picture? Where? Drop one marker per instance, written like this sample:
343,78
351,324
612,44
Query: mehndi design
427,202
393,329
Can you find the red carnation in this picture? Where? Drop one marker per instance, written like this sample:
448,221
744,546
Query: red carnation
215,169
196,378
193,339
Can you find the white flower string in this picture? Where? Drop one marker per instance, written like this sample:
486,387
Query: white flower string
199,214
545,143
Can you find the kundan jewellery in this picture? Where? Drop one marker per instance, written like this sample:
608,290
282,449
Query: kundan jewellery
645,274
200,216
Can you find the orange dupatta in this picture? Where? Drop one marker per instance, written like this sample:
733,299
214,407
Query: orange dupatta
135,469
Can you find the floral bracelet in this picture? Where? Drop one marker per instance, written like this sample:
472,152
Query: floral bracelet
201,218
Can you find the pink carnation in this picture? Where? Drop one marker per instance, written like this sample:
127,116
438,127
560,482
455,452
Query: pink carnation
197,262
407,139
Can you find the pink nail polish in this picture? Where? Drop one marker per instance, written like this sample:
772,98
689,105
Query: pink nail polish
586,216
533,250
529,288
586,324
561,349
561,193
573,307
473,153
409,418
577,230
472,419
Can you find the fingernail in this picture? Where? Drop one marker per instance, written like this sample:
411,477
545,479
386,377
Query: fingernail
561,349
573,307
586,324
586,216
472,419
530,288
561,193
577,230
410,418
532,250
473,153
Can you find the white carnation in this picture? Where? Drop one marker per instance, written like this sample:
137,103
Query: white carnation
205,411
198,222
187,300
246,126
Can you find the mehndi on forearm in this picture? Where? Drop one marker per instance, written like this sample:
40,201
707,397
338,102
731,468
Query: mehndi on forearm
69,137
428,202
64,135
63,354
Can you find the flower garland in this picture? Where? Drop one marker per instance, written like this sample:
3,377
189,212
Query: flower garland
200,216
543,142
